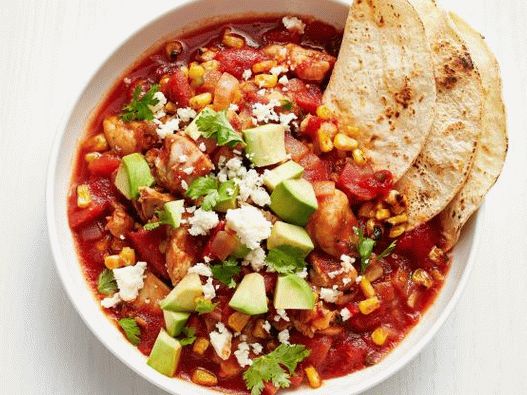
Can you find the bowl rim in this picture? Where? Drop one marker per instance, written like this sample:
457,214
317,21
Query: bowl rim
59,259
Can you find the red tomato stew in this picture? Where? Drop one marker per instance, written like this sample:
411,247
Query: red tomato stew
232,228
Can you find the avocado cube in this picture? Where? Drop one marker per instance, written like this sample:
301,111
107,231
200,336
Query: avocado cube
285,171
172,212
227,203
265,144
294,201
293,293
132,174
175,321
165,354
183,296
250,298
291,235
192,129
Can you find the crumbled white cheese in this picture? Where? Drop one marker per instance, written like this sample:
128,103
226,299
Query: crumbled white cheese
292,23
358,279
166,129
202,147
127,80
202,222
303,273
267,326
158,109
186,114
247,74
347,263
283,336
265,113
184,185
346,280
207,259
277,70
283,80
130,280
281,314
257,348
329,295
182,158
242,355
201,269
111,301
190,209
188,170
261,92
221,340
208,289
231,169
251,186
255,258
286,119
345,314
249,224
234,107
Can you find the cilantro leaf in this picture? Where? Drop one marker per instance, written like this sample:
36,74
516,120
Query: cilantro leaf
201,186
365,248
286,259
204,306
215,125
106,283
213,193
225,271
139,108
131,330
269,368
286,104
190,334
388,250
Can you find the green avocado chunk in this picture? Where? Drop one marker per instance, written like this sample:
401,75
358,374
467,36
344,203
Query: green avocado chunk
175,321
285,171
228,203
291,235
265,144
132,174
173,211
294,201
165,354
250,297
183,296
294,293
241,250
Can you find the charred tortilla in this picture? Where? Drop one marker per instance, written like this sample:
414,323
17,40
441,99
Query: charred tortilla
444,164
493,142
383,82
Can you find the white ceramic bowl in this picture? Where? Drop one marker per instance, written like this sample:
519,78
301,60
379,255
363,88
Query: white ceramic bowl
59,171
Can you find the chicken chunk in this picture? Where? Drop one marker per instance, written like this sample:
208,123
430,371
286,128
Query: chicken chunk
153,291
150,201
128,137
307,64
308,322
331,226
180,162
327,271
119,223
180,255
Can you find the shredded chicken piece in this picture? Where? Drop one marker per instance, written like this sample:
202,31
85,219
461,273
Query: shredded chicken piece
129,137
327,272
153,291
119,223
150,201
180,255
308,322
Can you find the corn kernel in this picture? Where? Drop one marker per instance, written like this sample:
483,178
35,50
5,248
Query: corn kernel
200,345
211,65
382,214
437,275
237,321
83,196
232,41
199,101
397,231
204,377
263,66
324,141
398,219
97,143
91,156
358,156
324,112
379,336
351,131
421,277
266,80
369,305
127,254
412,299
195,71
345,143
436,254
170,108
113,262
366,287
313,378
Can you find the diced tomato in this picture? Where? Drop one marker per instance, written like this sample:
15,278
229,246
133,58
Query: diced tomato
308,97
269,281
101,193
177,88
92,232
361,183
347,356
418,242
210,80
281,35
319,346
146,243
315,169
235,61
295,148
222,245
207,251
313,124
297,379
324,188
269,389
104,165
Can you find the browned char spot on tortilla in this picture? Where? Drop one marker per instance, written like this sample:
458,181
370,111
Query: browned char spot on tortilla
454,66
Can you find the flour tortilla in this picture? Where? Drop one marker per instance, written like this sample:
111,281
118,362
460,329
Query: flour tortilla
443,165
493,143
383,82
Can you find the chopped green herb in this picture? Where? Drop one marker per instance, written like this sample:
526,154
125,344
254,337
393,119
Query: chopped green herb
106,283
139,108
190,336
388,250
286,104
225,271
212,191
286,259
131,330
270,367
216,125
204,306
365,248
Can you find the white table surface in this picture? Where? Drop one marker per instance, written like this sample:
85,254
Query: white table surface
48,48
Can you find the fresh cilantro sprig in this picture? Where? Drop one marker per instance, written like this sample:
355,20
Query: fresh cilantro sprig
286,259
225,271
270,367
211,190
190,336
204,306
365,249
139,108
131,330
106,283
215,125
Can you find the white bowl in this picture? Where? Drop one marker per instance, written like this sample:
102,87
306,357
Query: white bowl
59,173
